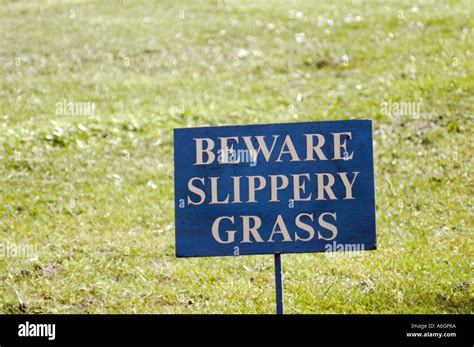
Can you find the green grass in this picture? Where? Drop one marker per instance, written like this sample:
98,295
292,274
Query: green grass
94,194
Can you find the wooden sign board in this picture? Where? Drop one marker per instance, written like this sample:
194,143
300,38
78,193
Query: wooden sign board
276,188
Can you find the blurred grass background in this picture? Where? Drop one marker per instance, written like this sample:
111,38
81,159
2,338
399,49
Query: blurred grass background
94,194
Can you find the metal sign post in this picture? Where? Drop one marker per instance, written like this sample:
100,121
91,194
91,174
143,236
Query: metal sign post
278,284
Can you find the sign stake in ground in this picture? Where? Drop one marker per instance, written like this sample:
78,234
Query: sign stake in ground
278,284
274,189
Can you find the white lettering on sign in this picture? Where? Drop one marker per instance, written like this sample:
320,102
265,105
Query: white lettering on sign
281,150
297,183
278,149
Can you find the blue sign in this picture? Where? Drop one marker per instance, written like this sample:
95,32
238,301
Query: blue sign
276,188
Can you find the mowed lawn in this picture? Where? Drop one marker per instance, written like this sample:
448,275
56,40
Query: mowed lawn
90,197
